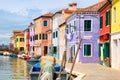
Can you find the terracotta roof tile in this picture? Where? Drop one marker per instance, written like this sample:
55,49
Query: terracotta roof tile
45,15
93,8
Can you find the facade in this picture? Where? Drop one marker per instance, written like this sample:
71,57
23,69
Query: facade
104,46
62,40
84,25
19,41
57,19
12,43
26,41
115,34
42,25
31,38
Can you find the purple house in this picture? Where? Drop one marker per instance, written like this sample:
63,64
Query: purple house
31,31
84,25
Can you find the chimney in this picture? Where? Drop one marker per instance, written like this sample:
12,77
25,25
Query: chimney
73,6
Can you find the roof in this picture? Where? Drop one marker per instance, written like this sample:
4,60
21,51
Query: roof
106,4
48,15
93,8
62,24
20,34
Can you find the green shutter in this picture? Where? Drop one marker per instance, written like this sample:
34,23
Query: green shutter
107,18
87,50
106,50
101,22
16,40
100,45
87,25
45,23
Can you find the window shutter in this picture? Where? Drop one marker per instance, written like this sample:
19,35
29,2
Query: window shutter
101,22
87,25
45,23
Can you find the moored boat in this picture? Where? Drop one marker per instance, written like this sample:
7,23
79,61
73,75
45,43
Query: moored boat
6,53
13,55
35,71
32,61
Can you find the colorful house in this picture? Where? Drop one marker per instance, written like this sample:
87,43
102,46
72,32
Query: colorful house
57,19
26,41
65,14
42,25
115,34
58,28
31,38
84,25
13,39
19,41
104,46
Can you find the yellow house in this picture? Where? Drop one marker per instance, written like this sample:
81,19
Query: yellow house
115,34
20,41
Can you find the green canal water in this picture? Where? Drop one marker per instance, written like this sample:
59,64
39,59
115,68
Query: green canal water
13,69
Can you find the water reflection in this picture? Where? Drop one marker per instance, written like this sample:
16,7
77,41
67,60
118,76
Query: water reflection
13,69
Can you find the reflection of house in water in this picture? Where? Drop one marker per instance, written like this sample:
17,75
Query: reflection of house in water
19,69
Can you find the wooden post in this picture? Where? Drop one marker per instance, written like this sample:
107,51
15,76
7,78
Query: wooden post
62,65
74,59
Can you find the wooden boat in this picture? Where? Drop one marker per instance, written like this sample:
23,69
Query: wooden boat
35,70
32,61
13,55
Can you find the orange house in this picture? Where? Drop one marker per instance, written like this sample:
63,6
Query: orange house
41,37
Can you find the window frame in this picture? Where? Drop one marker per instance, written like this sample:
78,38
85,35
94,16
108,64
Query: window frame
44,23
84,25
101,22
22,40
83,49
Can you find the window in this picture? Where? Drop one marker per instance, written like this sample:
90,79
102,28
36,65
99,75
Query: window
21,48
31,38
101,22
46,36
107,18
43,36
45,22
21,39
16,40
54,49
36,37
74,25
70,28
87,25
56,34
67,31
53,34
87,49
40,36
114,14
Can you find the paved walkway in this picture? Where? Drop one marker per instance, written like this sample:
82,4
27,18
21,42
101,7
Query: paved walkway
94,71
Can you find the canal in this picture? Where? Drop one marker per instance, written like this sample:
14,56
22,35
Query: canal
13,69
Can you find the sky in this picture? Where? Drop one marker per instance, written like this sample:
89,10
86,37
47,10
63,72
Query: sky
17,14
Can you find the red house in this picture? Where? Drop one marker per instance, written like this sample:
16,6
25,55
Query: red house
104,51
